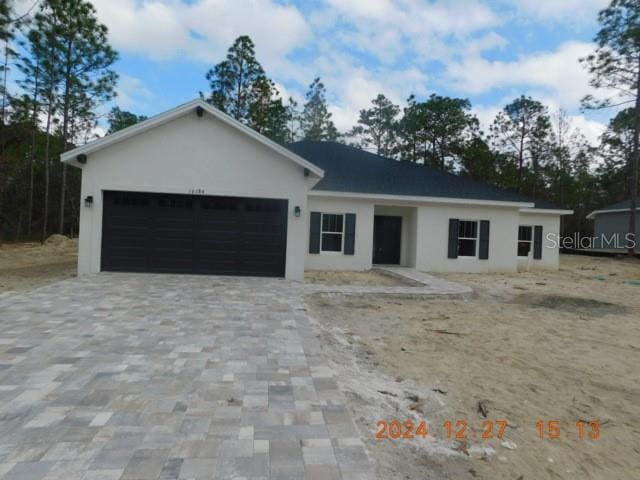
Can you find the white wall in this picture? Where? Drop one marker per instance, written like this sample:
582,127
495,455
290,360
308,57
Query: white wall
433,239
425,235
550,253
191,153
361,260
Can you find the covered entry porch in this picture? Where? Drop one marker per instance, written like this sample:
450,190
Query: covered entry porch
394,235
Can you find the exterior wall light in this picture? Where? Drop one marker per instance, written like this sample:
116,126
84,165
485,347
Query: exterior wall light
88,201
297,211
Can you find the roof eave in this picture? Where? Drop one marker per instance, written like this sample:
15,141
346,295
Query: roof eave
547,211
593,214
71,156
422,199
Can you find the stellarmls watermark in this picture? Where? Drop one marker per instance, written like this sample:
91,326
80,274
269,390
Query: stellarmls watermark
603,242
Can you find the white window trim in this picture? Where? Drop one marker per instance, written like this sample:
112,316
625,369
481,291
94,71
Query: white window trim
530,241
476,238
322,232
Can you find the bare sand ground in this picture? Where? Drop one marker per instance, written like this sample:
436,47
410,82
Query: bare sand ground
24,266
561,346
351,278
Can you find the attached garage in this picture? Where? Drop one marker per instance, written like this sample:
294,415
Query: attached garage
192,191
162,233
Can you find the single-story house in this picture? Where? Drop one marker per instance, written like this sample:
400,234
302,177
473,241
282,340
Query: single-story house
611,227
194,191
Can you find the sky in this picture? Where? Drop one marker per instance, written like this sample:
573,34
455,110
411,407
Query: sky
489,51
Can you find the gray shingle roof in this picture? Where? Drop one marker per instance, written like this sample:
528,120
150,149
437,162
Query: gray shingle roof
544,205
625,204
349,169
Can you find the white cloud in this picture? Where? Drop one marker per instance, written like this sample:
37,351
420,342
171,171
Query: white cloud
591,129
486,114
131,92
150,28
361,47
390,28
558,74
201,29
560,10
351,88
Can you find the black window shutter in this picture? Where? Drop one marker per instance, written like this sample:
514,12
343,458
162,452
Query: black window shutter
484,240
537,242
350,234
314,232
453,237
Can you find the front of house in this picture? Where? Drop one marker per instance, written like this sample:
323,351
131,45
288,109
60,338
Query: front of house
194,191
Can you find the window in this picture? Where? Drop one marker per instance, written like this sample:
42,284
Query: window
331,233
525,240
467,238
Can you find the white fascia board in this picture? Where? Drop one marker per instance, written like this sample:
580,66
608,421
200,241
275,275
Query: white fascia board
162,118
420,199
546,211
593,214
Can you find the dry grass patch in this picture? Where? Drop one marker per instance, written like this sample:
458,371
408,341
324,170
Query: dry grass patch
24,266
368,278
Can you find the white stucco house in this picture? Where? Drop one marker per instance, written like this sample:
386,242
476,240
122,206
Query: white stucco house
193,191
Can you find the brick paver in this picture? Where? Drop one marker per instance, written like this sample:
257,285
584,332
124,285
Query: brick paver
117,376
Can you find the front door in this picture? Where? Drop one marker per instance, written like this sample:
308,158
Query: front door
387,234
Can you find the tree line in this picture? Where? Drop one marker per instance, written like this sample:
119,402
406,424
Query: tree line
62,64
61,61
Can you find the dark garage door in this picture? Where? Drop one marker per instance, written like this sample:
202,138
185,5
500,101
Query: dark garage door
145,232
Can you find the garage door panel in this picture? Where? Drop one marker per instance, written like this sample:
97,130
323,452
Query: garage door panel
193,234
128,221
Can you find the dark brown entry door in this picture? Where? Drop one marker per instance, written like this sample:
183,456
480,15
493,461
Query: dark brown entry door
387,234
163,233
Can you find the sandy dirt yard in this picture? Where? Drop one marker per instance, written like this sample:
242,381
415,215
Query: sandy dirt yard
24,266
529,347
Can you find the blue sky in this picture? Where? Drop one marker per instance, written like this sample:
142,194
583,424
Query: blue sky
487,51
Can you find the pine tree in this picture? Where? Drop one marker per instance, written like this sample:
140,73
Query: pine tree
119,119
267,114
566,146
521,131
294,119
31,65
447,125
615,66
434,132
378,126
411,134
6,35
232,80
616,153
479,162
84,59
316,123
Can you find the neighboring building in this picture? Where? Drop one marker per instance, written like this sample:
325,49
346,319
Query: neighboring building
194,191
611,226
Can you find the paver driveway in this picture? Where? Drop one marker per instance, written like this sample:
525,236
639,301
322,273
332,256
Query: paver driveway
145,376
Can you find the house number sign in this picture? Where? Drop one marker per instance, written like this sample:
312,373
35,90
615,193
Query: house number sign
196,190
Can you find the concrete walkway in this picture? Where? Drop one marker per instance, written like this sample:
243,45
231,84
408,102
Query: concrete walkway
118,376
